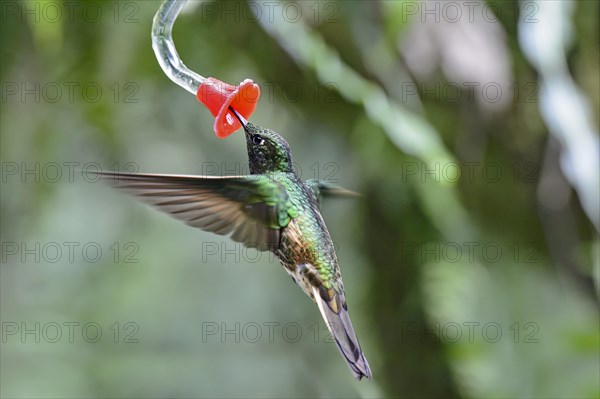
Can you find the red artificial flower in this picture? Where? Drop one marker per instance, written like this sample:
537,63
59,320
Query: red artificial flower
218,96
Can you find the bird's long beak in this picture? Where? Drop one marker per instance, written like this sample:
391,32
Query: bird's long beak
240,118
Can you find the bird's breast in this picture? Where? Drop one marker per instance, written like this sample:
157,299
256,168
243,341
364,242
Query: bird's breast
306,241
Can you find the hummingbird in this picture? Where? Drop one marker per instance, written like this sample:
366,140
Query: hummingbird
271,209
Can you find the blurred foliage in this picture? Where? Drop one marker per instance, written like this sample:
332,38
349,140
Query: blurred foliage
381,97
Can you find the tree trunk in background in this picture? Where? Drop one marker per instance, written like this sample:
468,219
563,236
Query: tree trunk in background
407,347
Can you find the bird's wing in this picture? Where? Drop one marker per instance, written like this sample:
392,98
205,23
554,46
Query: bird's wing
323,188
255,208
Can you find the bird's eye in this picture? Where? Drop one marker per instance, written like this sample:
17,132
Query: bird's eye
257,140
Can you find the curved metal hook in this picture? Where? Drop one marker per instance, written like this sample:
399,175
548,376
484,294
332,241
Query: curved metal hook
165,51
166,54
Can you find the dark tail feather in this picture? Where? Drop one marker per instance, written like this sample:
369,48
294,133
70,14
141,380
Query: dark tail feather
340,326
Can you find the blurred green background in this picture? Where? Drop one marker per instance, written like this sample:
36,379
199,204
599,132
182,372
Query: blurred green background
471,263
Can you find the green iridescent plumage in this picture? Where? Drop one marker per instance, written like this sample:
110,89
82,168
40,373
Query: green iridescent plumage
270,209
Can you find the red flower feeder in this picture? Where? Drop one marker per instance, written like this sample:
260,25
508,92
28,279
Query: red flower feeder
218,96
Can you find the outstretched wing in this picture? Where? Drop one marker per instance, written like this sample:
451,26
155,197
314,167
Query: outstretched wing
323,188
253,208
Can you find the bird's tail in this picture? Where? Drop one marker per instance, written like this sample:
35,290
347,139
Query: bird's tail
333,309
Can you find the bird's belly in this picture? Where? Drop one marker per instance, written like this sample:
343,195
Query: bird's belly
303,243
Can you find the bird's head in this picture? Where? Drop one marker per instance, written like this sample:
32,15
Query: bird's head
268,152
